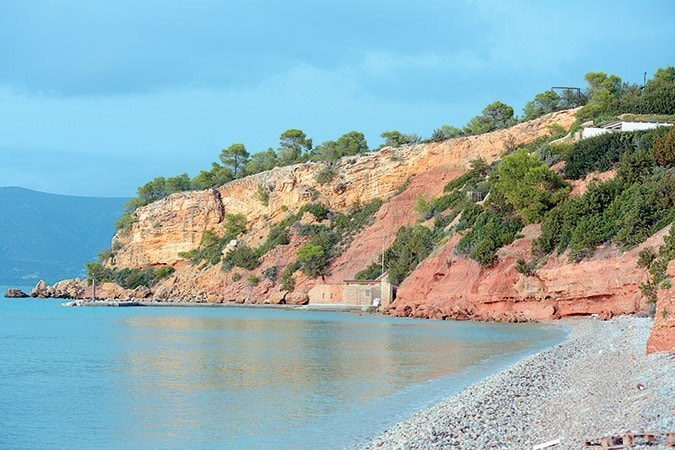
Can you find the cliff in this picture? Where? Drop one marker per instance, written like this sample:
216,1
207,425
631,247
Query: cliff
443,286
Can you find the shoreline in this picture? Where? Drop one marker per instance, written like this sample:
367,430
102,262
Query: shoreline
598,382
328,307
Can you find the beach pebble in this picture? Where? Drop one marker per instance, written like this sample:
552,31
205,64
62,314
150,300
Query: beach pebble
599,382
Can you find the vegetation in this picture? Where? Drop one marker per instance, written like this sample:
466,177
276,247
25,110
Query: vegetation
127,278
487,206
529,185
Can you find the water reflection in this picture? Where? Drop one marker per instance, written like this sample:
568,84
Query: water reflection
237,377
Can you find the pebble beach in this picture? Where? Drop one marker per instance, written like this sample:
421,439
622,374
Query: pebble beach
598,382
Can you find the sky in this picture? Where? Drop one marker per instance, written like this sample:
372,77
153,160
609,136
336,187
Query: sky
99,97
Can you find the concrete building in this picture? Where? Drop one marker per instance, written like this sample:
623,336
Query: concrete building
620,126
377,292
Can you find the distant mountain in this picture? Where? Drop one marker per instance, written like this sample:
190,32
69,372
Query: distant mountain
50,237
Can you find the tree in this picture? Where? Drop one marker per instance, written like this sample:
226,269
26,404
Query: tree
397,139
663,148
495,116
312,260
543,103
604,92
235,224
446,132
217,176
261,162
529,185
178,183
235,156
349,144
293,144
659,92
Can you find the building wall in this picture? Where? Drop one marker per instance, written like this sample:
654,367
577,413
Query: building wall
352,293
635,126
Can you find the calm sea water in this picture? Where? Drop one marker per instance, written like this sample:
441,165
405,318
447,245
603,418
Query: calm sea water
229,377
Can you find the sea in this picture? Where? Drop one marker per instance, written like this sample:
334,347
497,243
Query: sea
191,377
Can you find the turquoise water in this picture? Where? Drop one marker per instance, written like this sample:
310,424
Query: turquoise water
230,377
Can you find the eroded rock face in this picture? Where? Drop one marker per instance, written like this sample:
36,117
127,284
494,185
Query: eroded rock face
449,286
176,224
662,337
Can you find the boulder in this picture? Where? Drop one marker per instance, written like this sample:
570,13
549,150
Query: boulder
15,293
39,289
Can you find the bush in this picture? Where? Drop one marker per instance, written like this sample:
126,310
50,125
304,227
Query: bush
524,267
236,276
164,272
601,153
253,280
271,273
312,259
287,281
529,185
488,234
646,256
325,175
664,148
242,256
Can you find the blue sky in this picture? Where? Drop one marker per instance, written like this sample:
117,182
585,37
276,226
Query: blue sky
99,97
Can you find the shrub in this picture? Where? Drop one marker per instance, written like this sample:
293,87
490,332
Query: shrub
253,280
164,272
524,267
263,195
287,281
242,256
271,273
488,234
529,185
646,256
236,276
664,148
325,175
312,259
601,153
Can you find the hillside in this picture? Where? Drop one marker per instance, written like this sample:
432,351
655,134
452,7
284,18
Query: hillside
476,227
47,236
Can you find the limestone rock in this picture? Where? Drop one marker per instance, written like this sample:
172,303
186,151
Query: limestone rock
39,289
15,293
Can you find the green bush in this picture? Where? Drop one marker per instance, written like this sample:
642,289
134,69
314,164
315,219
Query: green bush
488,234
601,153
312,259
529,185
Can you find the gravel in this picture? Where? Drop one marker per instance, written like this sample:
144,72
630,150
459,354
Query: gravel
598,382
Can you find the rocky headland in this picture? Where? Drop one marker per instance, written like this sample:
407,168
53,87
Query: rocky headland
444,286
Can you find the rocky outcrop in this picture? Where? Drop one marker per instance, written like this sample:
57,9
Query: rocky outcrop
15,293
448,286
175,224
71,288
662,337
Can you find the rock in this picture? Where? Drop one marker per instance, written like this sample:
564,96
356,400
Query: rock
39,289
71,288
662,337
15,293
230,247
297,298
141,292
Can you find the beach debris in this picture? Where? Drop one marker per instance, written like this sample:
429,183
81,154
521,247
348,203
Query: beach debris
629,440
546,444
